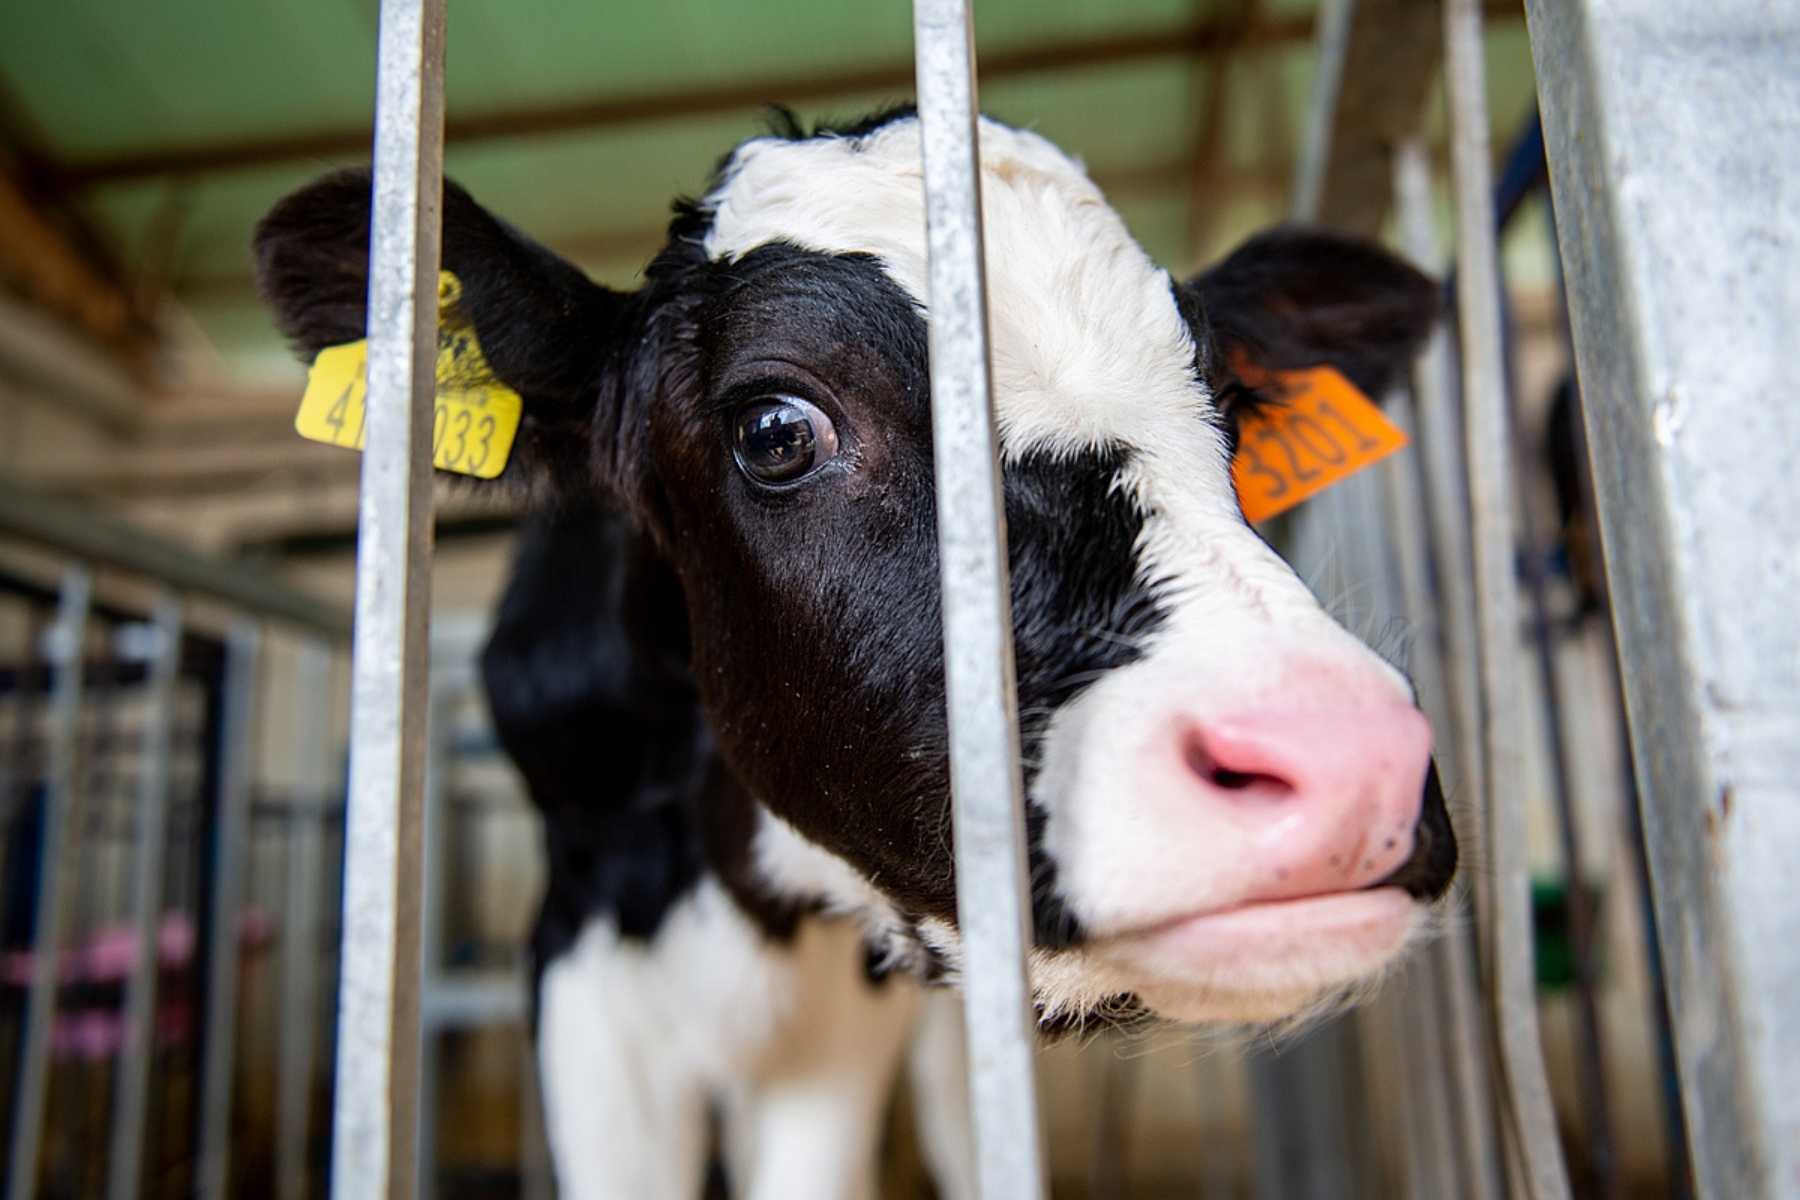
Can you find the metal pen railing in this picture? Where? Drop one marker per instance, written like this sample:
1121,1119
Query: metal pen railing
1692,532
992,897
132,1109
1670,131
64,653
375,1131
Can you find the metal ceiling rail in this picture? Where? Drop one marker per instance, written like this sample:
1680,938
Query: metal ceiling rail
102,541
375,1133
992,899
1671,131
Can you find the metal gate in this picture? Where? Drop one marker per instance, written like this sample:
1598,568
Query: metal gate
1670,131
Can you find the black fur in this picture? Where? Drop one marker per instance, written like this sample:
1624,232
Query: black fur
545,329
1294,297
682,642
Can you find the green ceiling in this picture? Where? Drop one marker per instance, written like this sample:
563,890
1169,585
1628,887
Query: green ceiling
96,80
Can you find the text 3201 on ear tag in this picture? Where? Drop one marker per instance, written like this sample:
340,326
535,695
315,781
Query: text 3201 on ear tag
1315,429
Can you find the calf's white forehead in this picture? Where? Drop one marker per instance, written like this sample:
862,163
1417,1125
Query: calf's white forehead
1089,348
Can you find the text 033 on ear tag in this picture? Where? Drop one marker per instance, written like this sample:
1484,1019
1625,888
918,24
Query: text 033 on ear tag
476,416
1313,429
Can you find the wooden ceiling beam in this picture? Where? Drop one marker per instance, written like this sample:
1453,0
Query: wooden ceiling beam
612,111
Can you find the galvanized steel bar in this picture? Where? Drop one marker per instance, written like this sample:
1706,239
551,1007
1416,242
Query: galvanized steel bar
62,649
1511,968
433,900
131,1100
299,1034
1671,131
92,537
993,908
1444,661
375,1132
1332,48
219,1057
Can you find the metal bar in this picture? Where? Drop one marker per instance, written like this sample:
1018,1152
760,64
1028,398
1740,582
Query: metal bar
993,908
219,1059
1671,130
299,1034
1433,1165
1333,47
125,1162
375,1134
63,650
1310,1142
1376,61
1675,1136
102,541
1451,609
431,918
1438,1160
1511,978
1601,1178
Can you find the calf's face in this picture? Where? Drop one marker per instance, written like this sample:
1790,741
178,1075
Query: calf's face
1231,805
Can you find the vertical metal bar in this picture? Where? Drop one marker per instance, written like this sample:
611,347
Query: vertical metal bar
1306,1140
431,926
229,844
1432,1161
130,1110
1332,35
63,650
1445,661
319,782
1601,1175
993,908
375,1134
1531,1118
1671,131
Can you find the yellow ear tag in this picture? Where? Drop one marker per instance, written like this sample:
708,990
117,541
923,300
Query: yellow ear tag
477,416
1317,429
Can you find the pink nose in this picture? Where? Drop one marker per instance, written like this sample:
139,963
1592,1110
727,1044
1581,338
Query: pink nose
1327,801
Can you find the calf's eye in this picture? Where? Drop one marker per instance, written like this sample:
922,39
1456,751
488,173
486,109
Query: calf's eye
778,439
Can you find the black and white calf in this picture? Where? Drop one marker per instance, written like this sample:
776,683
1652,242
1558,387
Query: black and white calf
719,662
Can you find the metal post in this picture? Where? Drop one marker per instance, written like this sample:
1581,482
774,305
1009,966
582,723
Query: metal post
434,897
1444,658
993,908
229,838
63,650
1511,976
375,1134
1671,131
125,1165
319,784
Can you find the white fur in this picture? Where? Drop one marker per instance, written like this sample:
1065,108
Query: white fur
636,1041
1089,349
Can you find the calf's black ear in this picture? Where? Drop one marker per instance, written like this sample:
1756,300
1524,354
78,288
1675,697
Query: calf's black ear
1292,298
545,329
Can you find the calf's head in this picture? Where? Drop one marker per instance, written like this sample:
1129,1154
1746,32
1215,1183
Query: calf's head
1232,808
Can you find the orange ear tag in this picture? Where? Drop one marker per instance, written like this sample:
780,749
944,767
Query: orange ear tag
1316,429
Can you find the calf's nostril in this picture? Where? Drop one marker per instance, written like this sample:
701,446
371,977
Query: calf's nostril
1229,772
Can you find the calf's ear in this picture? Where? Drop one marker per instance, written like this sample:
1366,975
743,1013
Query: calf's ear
1293,297
545,329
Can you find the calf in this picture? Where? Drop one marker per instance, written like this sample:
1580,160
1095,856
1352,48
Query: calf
719,663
